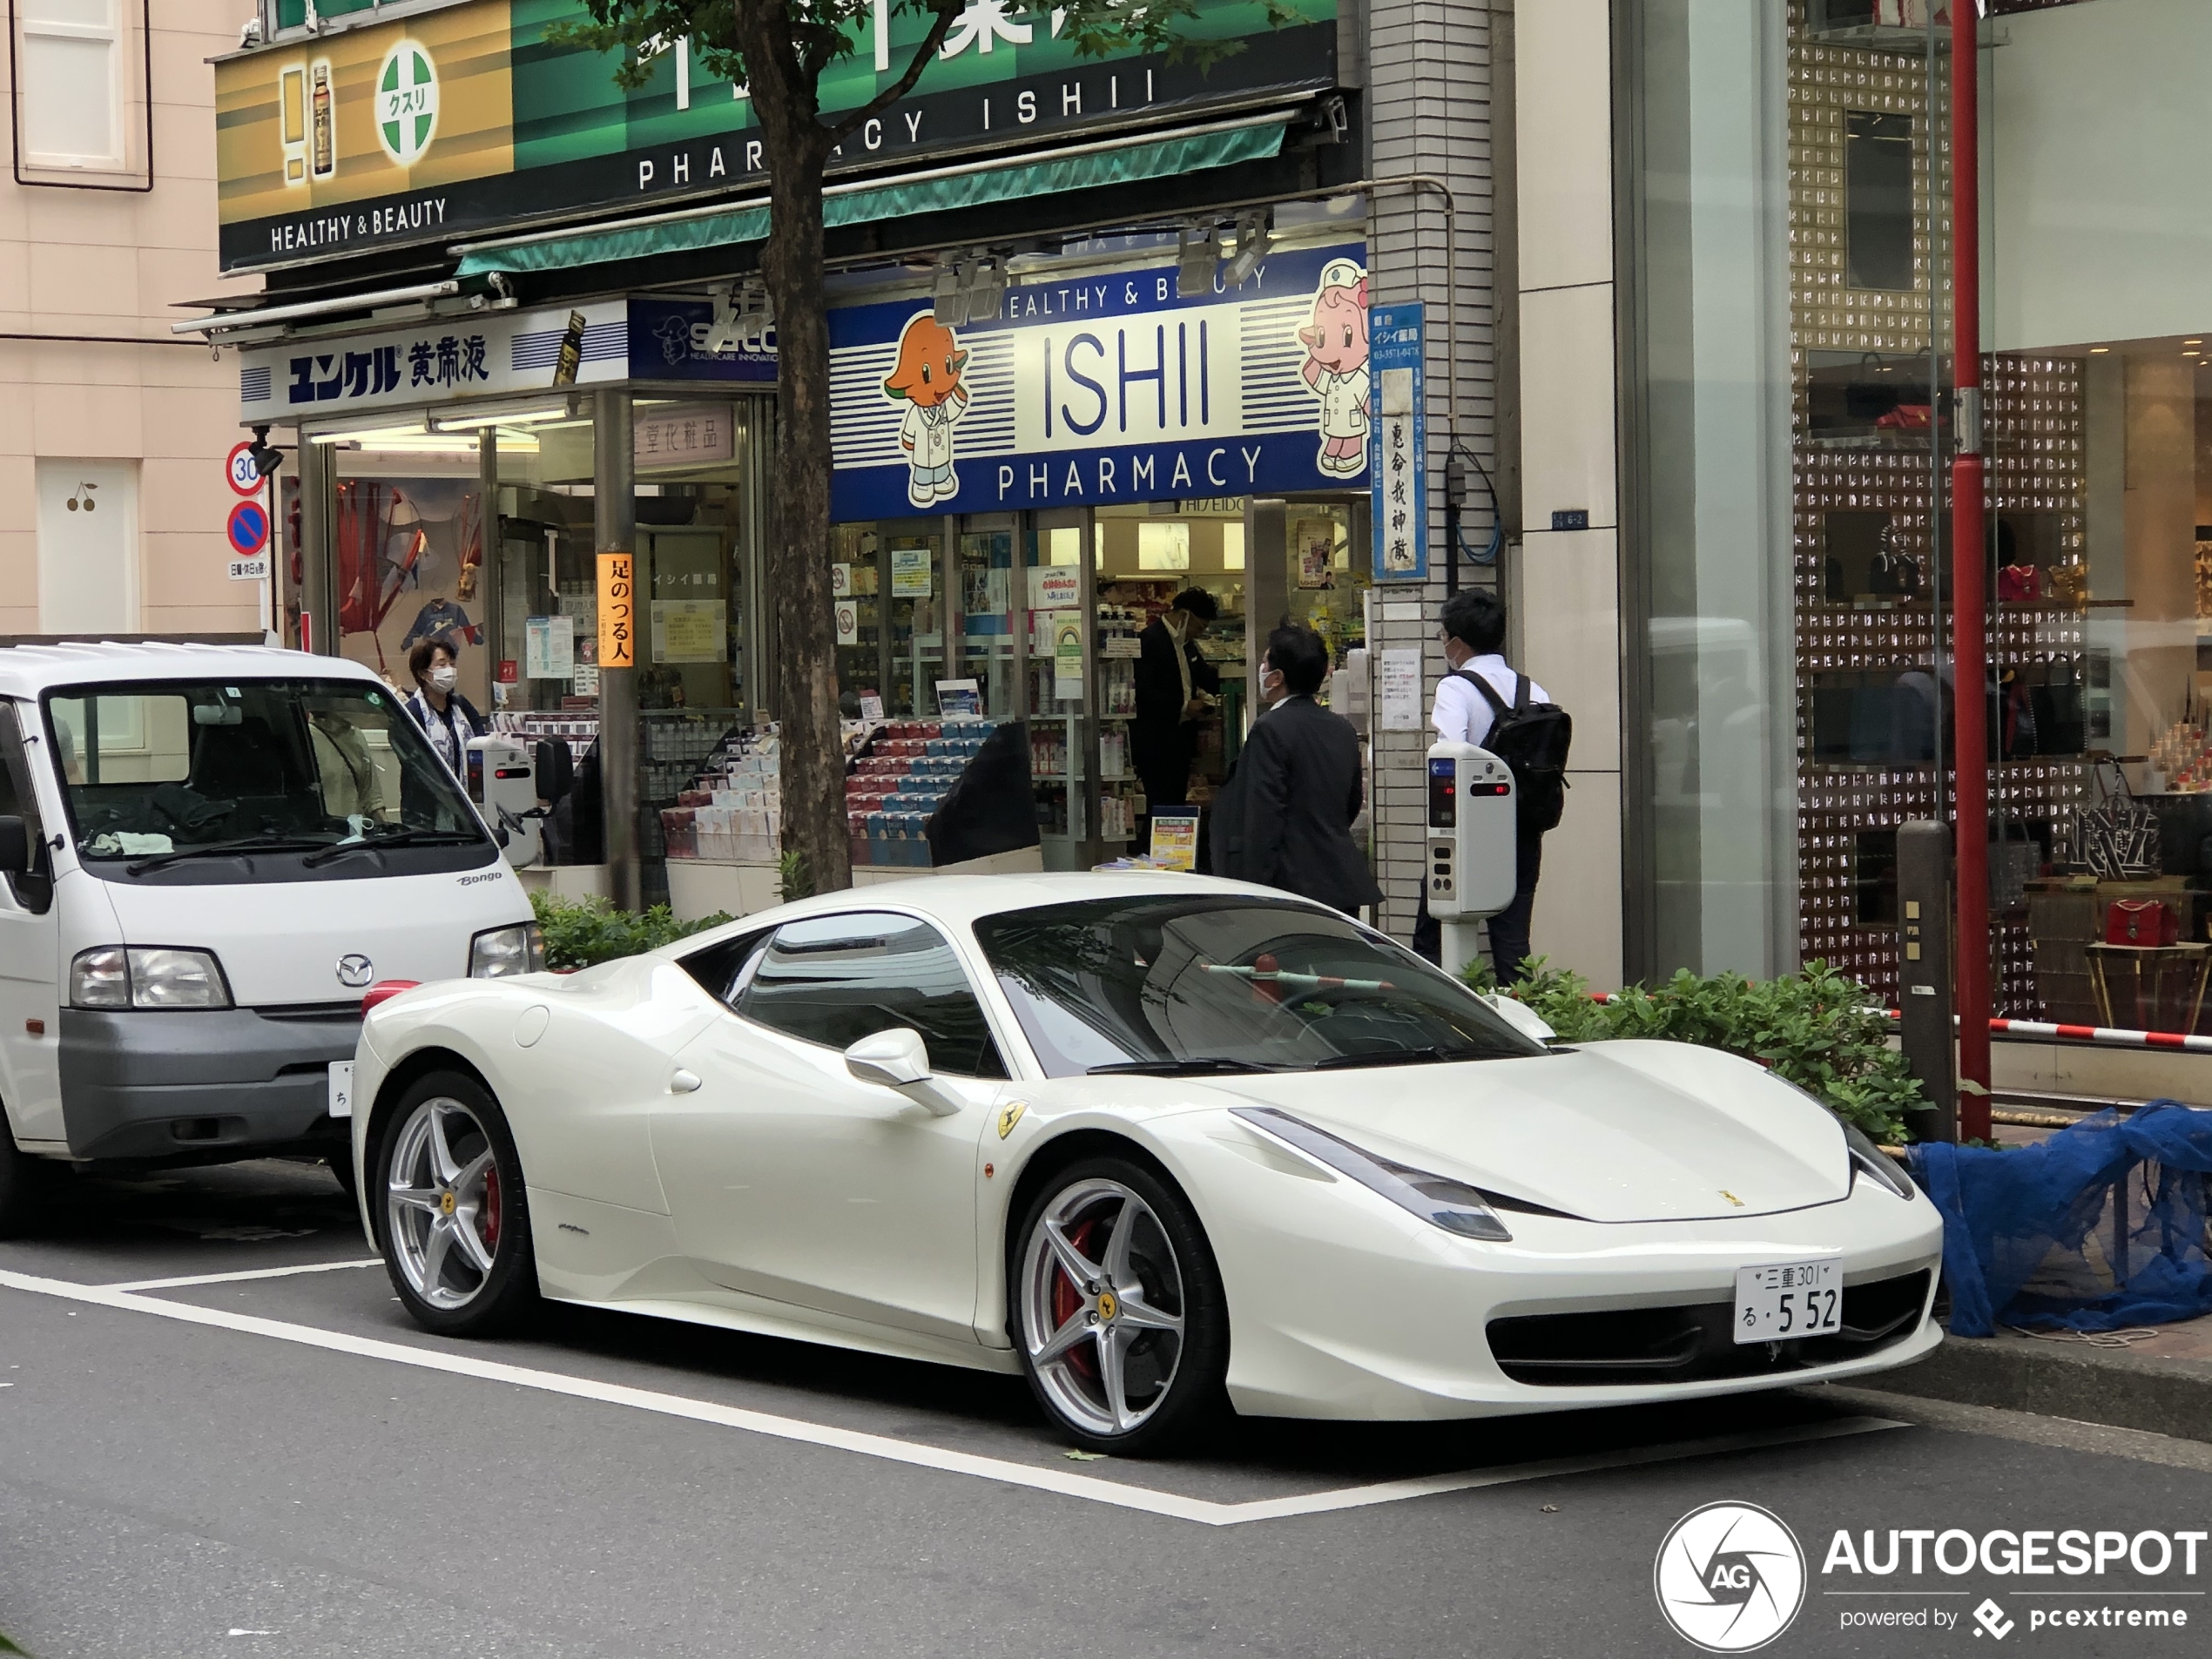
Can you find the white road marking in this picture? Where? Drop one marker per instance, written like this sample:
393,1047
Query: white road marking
227,1278
1065,1483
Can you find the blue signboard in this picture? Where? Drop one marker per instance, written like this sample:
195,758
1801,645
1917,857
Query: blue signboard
668,341
1399,457
1111,387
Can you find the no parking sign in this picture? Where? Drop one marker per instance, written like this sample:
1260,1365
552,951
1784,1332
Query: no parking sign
249,530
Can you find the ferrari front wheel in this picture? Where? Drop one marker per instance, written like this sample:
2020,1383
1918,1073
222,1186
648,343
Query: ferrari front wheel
1117,1309
448,1208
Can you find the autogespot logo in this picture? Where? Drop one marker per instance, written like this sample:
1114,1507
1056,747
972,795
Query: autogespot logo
1729,1577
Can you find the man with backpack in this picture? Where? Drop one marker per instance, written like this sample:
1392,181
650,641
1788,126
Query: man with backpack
1484,701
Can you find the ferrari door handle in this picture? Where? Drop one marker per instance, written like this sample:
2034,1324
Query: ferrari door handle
683,1082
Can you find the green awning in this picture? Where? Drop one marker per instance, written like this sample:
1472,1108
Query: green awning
1161,158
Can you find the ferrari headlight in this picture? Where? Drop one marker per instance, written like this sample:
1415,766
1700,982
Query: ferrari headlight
1869,1160
506,951
156,977
1439,1200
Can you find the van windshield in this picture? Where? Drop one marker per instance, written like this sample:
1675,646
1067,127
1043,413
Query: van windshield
163,774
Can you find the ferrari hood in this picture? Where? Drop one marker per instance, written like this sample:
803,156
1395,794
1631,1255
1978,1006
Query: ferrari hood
1615,1131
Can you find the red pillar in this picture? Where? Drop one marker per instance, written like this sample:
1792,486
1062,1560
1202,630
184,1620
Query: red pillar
1968,579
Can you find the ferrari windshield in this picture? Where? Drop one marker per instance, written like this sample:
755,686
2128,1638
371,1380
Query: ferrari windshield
1184,986
160,774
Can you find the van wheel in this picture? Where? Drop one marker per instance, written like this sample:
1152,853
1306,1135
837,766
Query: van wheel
24,1186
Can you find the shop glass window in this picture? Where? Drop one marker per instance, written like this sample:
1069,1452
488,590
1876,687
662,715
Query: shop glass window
1877,199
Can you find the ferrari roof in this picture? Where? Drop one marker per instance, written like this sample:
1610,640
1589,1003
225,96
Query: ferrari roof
26,671
963,899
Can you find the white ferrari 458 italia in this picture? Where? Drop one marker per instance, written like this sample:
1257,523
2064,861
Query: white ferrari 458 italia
1159,1142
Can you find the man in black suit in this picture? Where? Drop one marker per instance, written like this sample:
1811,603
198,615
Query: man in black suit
1285,818
1175,689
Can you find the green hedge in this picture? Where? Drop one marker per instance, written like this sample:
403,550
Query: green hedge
1814,1028
581,932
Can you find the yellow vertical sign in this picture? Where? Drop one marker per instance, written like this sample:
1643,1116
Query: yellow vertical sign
617,612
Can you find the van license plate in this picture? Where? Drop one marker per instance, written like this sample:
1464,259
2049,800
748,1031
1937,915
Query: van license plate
341,1088
1789,1300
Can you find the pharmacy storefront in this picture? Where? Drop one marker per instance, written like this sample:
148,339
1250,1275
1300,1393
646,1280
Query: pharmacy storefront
1113,433
512,323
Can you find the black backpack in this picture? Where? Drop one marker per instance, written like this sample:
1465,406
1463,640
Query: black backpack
1532,739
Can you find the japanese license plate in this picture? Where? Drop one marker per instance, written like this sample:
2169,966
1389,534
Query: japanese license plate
1789,1300
341,1088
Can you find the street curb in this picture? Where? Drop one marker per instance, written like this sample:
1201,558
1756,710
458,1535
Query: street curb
2088,1384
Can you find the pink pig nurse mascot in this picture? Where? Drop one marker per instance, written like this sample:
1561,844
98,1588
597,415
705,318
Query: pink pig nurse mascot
1336,367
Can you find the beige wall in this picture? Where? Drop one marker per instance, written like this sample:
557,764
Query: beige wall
84,261
1567,609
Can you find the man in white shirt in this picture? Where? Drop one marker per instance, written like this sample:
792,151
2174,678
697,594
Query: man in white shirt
1475,637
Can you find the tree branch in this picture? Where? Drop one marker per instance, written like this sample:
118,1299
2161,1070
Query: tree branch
947,14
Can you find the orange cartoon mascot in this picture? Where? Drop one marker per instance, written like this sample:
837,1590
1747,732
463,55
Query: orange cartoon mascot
928,377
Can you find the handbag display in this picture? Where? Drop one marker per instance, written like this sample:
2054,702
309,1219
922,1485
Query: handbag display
2117,837
2141,921
2022,584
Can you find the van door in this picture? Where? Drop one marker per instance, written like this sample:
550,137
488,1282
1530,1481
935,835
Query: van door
30,1083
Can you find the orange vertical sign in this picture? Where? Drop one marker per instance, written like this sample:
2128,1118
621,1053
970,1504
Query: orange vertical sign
617,612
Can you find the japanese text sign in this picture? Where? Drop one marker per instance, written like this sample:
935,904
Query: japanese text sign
618,611
1398,455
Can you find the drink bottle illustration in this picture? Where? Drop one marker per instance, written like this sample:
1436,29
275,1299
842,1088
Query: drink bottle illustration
325,156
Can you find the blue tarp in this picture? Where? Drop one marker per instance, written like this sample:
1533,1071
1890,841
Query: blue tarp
2099,1227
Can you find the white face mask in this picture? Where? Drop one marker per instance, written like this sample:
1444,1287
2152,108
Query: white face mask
443,678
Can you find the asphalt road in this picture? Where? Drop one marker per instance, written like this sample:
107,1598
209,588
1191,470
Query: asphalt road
282,1464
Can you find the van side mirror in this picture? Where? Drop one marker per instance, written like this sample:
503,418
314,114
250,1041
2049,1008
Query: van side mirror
553,767
899,1059
15,846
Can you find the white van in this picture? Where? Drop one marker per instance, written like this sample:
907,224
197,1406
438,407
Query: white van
207,855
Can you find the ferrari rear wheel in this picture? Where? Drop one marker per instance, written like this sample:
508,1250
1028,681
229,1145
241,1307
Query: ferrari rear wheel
1117,1309
449,1211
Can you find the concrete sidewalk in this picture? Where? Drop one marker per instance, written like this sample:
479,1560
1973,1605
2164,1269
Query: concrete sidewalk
2162,1384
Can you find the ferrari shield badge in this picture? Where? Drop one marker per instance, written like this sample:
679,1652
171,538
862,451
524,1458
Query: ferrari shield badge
1009,1115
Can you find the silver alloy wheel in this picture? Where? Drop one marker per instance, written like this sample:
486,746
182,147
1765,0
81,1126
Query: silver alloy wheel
443,1203
1103,1307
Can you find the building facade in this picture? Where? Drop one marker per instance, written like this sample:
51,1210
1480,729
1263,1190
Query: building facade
512,321
115,430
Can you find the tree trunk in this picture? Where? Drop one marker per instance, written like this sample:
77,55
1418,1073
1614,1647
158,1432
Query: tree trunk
797,563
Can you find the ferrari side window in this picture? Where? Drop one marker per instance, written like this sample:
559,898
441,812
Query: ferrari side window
721,970
834,979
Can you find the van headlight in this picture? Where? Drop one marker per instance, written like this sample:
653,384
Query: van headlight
157,977
500,953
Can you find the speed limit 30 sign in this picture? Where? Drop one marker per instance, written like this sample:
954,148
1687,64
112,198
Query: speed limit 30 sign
245,477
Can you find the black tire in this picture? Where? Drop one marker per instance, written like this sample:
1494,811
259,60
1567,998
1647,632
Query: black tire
25,1188
340,1164
1192,1396
509,1291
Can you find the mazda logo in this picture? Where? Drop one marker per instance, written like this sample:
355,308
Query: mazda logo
355,970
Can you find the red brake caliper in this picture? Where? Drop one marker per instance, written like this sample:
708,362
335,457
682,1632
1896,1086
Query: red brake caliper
490,1214
1067,1296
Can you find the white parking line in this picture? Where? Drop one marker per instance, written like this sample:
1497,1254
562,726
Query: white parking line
229,1279
1066,1484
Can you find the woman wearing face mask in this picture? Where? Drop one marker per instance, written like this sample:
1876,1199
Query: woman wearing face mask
437,706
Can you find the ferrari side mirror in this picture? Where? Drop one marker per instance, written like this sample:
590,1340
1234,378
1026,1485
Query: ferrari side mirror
899,1059
1522,1018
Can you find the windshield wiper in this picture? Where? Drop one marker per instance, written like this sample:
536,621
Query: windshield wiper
227,849
1433,1055
1201,1067
397,838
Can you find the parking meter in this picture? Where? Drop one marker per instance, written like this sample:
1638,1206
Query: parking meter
503,781
1473,843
